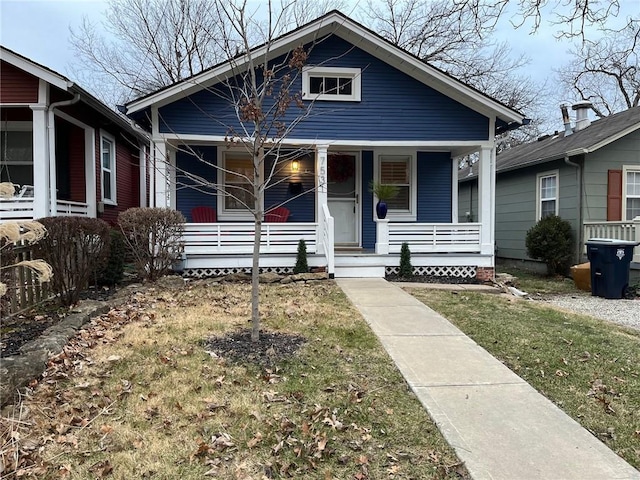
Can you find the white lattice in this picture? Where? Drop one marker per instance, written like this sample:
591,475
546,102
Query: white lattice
439,271
220,272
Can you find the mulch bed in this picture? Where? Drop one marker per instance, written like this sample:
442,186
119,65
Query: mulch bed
432,279
270,349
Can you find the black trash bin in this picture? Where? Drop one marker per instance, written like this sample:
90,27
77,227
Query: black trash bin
610,260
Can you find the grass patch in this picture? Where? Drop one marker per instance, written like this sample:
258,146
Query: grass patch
137,396
536,283
589,368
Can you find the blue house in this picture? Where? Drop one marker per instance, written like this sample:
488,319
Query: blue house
371,112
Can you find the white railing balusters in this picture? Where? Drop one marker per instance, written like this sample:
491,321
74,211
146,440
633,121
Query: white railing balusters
435,237
625,230
328,239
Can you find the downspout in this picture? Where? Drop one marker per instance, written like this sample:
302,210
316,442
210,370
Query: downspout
579,233
51,130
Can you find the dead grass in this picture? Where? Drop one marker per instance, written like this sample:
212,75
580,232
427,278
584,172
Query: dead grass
139,397
589,368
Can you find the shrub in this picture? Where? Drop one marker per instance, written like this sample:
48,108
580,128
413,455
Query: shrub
74,247
113,270
406,269
301,258
154,239
551,241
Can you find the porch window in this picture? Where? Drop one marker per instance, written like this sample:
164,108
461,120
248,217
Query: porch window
108,167
632,193
238,184
337,84
16,152
396,170
547,187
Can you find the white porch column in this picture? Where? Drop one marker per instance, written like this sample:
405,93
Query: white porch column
161,174
90,171
486,200
636,250
382,236
321,189
40,162
143,175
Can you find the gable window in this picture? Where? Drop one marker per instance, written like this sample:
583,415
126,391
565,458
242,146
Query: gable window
16,152
399,170
108,167
331,83
237,192
631,192
547,188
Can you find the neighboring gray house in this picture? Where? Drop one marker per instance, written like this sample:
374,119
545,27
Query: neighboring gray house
588,175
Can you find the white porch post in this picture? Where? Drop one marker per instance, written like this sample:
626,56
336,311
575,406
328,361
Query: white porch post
382,236
321,189
41,153
143,175
90,171
161,174
636,250
486,200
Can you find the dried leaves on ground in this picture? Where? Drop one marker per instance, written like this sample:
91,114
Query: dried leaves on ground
168,387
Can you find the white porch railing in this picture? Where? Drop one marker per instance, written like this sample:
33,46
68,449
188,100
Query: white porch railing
627,230
237,238
16,208
76,209
327,240
22,208
428,237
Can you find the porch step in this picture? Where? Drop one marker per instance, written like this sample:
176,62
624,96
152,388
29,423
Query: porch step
359,266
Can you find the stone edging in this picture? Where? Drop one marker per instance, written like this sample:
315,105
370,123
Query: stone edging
17,371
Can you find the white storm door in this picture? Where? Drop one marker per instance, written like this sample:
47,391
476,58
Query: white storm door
342,198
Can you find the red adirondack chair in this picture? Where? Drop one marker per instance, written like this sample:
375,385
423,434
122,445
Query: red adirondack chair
277,215
203,215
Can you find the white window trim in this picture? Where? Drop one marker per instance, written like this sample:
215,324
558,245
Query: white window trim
113,200
399,216
222,212
356,83
625,169
539,177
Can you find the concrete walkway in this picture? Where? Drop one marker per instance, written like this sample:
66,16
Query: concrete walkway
498,424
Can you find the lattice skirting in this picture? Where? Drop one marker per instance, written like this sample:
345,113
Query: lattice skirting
458,272
220,272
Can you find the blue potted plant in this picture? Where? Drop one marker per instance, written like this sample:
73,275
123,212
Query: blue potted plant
384,193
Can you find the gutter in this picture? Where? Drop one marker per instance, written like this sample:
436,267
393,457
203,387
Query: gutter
579,233
53,186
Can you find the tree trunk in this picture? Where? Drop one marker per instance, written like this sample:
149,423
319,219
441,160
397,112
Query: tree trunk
257,236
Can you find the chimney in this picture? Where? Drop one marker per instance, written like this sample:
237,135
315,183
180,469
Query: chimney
582,114
566,120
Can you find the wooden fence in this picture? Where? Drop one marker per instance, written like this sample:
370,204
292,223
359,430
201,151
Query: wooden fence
23,289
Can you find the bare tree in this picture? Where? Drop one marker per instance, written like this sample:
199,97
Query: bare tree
146,45
260,92
606,71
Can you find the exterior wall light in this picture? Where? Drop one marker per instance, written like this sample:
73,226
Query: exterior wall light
295,166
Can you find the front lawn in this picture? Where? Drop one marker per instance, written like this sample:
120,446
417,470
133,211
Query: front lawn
589,368
142,393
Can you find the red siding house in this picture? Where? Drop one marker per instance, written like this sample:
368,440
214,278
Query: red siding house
67,152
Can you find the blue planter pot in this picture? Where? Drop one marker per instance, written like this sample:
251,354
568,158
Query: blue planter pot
381,210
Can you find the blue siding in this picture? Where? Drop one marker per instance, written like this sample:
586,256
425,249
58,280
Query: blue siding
394,106
188,197
434,187
368,225
303,207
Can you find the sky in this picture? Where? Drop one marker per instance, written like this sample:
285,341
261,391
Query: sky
39,30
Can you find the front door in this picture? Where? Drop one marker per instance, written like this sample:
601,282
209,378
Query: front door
343,198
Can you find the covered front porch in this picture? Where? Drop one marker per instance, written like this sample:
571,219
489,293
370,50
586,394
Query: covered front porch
332,210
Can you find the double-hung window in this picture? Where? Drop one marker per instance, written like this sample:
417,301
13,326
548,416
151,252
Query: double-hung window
108,167
331,83
547,195
631,192
236,195
399,170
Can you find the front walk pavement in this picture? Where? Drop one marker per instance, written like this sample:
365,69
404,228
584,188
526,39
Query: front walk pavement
499,425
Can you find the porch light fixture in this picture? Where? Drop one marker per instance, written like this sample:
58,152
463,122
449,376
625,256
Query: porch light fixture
295,166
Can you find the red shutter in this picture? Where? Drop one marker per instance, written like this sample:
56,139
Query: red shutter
614,195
